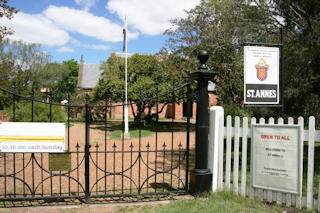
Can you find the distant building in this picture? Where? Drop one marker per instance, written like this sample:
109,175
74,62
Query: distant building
88,75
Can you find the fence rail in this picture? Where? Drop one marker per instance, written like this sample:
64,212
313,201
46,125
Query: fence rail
231,168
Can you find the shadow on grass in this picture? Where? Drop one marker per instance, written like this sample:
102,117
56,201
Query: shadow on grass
163,186
161,126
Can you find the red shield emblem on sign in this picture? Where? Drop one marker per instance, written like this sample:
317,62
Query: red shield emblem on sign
262,73
262,69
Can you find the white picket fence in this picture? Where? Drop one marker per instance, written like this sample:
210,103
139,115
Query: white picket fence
240,133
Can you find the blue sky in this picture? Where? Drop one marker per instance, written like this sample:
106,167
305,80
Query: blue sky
67,29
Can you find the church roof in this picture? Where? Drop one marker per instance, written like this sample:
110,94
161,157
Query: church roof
90,75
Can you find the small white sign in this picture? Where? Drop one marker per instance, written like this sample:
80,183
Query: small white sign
276,158
261,75
32,137
46,90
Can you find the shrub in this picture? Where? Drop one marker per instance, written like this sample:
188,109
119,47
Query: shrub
234,110
41,112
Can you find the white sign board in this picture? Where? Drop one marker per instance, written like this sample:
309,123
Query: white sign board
32,137
276,158
261,75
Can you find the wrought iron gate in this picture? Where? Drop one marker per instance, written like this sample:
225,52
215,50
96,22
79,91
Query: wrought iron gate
101,165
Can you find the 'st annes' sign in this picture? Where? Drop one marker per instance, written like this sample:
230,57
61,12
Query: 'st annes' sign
261,75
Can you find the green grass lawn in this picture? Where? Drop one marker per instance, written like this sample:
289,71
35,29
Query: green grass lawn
115,128
116,134
215,202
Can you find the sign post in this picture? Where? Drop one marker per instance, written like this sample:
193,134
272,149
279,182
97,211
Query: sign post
261,75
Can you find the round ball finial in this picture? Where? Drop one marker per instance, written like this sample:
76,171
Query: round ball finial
203,57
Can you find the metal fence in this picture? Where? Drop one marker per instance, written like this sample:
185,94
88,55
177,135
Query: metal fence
101,165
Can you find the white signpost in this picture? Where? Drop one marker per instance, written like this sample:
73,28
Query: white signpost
32,137
261,75
276,158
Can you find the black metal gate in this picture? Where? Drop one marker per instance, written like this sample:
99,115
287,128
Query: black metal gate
102,164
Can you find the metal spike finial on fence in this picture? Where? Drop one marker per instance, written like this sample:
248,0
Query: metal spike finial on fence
68,98
87,98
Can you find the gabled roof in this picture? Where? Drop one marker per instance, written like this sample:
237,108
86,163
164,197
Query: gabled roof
89,75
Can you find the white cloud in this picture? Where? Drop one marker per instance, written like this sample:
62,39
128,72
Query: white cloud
53,25
65,50
35,29
87,24
97,46
77,43
150,17
87,4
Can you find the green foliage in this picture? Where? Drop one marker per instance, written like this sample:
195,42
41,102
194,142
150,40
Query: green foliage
7,12
146,74
221,27
21,65
23,112
234,110
72,80
24,67
302,57
61,79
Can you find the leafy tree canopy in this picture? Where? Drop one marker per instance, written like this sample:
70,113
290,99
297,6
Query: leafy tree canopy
6,12
302,56
221,28
148,76
25,67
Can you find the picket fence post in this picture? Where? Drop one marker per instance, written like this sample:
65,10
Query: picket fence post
301,123
310,162
228,152
236,154
244,156
216,112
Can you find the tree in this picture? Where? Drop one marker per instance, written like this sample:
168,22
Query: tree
72,79
21,67
220,27
302,56
25,67
7,12
61,79
146,79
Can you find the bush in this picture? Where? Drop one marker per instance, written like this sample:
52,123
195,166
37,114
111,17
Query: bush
41,112
234,110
